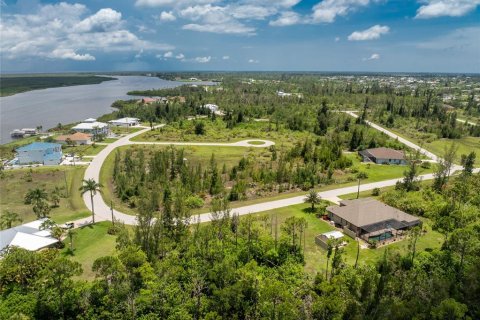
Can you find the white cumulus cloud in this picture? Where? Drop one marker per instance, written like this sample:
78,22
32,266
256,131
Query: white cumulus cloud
327,11
215,19
450,8
70,54
371,33
226,57
102,21
167,16
168,54
202,59
65,31
180,56
253,61
217,16
374,56
287,18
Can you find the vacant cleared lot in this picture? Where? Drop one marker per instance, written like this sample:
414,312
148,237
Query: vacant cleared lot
90,243
16,183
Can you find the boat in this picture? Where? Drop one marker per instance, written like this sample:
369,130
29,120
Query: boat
17,133
29,131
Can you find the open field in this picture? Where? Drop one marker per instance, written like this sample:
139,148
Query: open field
465,145
124,130
16,183
217,132
90,243
13,84
315,257
84,150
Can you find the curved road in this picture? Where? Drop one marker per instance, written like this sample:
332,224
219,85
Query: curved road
102,210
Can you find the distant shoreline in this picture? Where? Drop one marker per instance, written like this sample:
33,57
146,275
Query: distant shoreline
14,84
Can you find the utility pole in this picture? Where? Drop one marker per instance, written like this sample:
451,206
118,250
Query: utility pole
111,210
66,184
358,192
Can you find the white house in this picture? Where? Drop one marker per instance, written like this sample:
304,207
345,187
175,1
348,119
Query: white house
125,122
94,127
27,236
211,106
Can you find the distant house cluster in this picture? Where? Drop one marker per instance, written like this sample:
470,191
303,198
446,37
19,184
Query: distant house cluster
92,126
29,236
40,153
125,122
288,94
213,108
383,156
370,219
150,100
25,132
78,138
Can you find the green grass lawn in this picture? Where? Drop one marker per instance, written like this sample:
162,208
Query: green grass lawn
86,150
256,143
125,130
16,183
380,172
465,145
90,243
427,141
109,140
315,256
217,132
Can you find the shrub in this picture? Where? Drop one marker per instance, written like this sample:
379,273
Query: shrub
194,202
426,165
113,229
376,192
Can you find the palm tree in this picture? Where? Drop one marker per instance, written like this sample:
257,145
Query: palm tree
91,186
57,232
313,198
8,218
38,197
35,196
71,233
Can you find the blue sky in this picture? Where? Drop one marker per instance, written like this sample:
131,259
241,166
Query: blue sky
283,35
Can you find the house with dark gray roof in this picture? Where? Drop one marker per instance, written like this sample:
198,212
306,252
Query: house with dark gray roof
371,219
383,156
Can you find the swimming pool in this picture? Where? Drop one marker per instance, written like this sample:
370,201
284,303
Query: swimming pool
381,237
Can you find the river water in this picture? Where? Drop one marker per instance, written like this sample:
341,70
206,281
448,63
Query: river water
48,107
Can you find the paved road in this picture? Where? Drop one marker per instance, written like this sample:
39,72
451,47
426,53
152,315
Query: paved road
470,122
332,195
243,143
395,136
102,210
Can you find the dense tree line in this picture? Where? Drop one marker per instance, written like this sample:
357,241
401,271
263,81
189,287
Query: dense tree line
305,165
252,268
